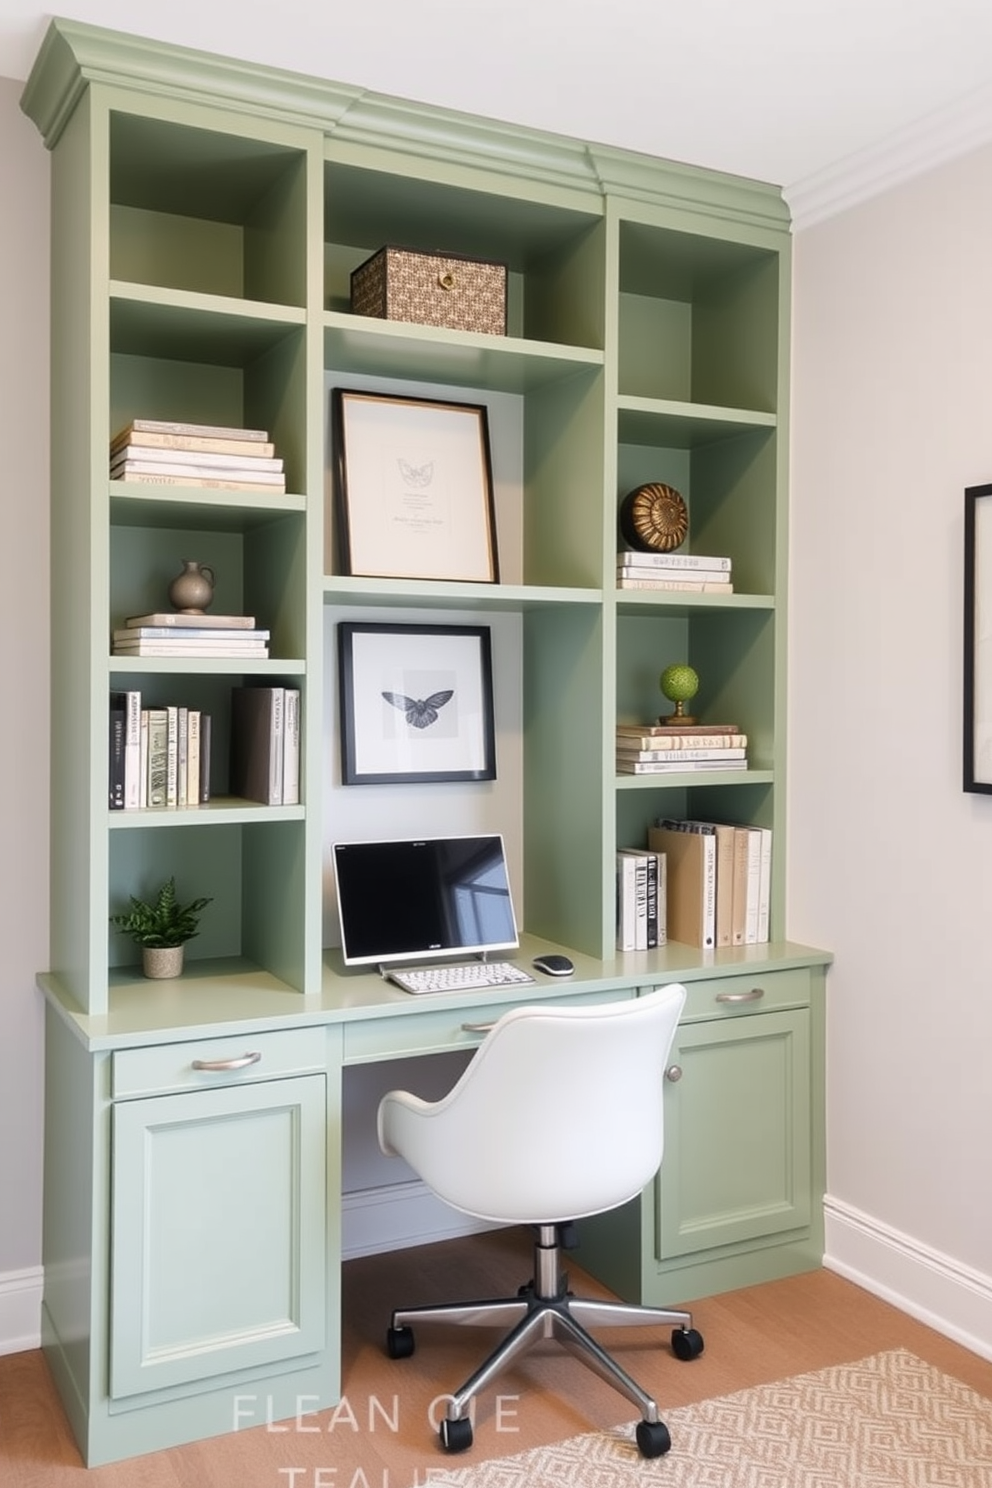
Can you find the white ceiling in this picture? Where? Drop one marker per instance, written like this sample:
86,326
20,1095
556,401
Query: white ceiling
830,99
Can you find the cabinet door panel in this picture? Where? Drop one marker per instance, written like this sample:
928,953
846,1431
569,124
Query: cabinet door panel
218,1232
737,1122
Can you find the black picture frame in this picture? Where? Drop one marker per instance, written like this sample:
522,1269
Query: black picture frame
977,689
416,703
413,487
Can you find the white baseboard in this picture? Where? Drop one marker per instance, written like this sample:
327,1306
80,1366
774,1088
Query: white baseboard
399,1215
930,1286
20,1310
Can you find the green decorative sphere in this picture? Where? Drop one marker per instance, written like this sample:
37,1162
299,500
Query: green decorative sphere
679,683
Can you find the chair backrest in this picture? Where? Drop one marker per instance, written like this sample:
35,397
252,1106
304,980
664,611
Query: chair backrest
558,1115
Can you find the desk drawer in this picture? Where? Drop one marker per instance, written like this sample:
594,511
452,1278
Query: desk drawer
750,992
454,1027
162,1069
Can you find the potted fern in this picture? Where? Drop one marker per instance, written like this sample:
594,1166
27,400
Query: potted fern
161,929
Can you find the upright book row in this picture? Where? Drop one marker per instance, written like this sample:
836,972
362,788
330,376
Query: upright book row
160,757
719,881
642,899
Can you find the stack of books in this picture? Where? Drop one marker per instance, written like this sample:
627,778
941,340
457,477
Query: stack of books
172,454
682,572
719,881
173,634
641,899
664,748
159,756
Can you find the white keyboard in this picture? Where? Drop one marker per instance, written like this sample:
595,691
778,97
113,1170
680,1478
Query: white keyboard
459,978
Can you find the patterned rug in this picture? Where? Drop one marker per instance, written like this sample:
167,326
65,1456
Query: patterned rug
889,1421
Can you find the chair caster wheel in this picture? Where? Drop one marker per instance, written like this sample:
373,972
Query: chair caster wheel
399,1343
653,1439
687,1343
456,1436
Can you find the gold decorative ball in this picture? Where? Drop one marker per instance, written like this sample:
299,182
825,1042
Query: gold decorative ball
653,518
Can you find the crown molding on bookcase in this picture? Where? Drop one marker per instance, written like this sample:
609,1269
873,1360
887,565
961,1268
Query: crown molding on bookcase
75,54
931,141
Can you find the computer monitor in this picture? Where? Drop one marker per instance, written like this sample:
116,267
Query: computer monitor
427,897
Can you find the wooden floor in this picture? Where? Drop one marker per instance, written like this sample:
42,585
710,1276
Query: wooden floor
382,1436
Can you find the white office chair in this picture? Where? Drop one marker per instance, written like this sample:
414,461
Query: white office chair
558,1116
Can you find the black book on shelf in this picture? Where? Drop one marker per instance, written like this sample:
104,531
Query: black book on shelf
257,741
118,733
205,731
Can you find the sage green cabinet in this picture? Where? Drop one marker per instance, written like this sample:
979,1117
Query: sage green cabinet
217,1232
738,1198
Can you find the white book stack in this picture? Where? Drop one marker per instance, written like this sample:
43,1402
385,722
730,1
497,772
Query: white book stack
153,452
674,572
168,634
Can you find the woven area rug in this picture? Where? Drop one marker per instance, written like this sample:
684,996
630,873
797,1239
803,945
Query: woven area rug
889,1421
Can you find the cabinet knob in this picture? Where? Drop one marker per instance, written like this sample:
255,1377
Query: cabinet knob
226,1064
755,995
446,281
674,1073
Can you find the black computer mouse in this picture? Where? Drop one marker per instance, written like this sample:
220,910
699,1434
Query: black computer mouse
553,964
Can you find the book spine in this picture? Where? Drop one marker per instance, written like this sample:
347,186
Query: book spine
651,863
136,439
661,767
753,885
118,728
640,903
661,863
206,724
158,756
645,745
683,575
201,482
291,748
172,462
177,636
190,648
709,891
182,753
724,885
764,884
166,620
210,431
687,732
193,757
172,756
680,561
205,460
132,751
626,902
277,748
674,756
143,764
684,586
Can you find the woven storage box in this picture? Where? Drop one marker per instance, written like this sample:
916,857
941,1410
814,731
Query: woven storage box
435,289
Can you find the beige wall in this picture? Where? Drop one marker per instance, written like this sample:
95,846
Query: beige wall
24,711
891,863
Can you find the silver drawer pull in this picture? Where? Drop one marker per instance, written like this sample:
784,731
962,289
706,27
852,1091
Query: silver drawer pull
755,995
226,1064
477,1027
674,1073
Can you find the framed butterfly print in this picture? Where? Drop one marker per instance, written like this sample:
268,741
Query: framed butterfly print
413,487
416,703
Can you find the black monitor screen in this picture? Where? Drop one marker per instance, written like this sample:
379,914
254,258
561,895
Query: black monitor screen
433,896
